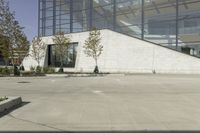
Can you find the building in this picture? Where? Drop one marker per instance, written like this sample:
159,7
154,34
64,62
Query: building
138,35
17,58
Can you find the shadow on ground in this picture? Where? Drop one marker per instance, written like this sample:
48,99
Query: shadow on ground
120,131
12,109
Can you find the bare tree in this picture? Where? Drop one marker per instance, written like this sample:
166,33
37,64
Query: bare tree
93,48
38,50
62,43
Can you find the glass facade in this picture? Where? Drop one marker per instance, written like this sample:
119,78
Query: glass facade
68,61
171,23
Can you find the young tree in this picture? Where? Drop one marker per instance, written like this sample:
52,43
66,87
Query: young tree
93,48
62,43
38,50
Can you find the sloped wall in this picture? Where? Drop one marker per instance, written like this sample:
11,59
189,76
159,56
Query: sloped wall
122,53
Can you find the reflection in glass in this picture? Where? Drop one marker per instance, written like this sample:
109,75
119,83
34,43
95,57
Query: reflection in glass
69,59
171,23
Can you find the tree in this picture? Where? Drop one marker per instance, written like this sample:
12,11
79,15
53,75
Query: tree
4,48
10,28
62,43
93,48
22,47
7,24
12,31
38,50
6,29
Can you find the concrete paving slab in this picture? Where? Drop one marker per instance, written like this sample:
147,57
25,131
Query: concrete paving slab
133,102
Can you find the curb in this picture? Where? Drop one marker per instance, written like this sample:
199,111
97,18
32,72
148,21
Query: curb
10,103
75,75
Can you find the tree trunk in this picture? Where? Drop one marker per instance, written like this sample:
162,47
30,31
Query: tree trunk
61,65
13,65
96,61
6,62
61,62
96,69
38,62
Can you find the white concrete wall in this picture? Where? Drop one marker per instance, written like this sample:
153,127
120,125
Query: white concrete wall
122,53
29,61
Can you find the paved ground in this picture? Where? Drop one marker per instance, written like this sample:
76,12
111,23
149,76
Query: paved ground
134,102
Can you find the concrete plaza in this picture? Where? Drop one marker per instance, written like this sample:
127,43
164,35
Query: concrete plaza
112,102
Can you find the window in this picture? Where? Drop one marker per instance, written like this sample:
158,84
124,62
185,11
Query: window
69,60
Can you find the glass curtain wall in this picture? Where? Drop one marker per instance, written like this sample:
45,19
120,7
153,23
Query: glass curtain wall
128,17
189,26
171,23
102,14
80,15
160,22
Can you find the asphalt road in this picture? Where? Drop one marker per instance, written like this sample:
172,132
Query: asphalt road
113,102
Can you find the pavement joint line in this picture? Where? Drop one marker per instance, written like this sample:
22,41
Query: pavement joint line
36,123
161,102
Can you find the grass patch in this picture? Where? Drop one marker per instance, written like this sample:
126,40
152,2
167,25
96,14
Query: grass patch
3,98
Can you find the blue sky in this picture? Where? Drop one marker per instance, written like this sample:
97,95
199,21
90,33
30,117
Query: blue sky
26,12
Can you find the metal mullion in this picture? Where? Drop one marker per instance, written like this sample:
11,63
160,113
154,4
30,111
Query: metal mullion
54,17
91,15
177,23
43,17
71,16
59,17
142,15
39,10
114,14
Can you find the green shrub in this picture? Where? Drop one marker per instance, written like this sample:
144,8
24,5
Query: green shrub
61,70
1,69
21,68
38,69
52,70
96,70
6,71
32,68
48,70
3,98
16,71
28,73
11,69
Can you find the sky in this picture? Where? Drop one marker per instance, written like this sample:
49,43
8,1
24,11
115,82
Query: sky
26,12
